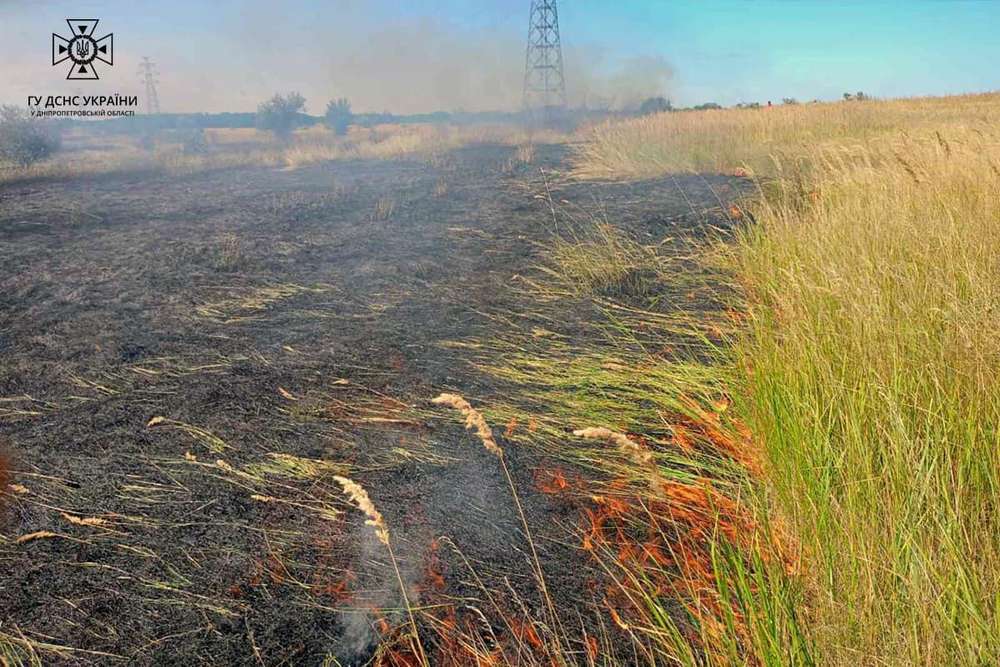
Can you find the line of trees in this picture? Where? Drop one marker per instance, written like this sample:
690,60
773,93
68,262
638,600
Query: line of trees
653,105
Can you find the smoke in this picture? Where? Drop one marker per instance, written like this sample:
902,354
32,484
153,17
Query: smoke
427,65
359,617
239,54
624,85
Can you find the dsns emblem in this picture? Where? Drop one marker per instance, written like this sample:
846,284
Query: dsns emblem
82,49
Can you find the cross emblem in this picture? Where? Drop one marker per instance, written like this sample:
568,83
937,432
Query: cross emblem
82,49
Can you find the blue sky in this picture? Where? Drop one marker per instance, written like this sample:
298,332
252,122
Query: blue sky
419,56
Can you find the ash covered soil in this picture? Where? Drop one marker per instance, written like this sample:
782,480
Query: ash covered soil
187,362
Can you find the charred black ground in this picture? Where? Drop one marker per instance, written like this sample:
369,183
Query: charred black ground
286,326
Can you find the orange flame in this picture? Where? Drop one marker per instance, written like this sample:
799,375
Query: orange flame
556,482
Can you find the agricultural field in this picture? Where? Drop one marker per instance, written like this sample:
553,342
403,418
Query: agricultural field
695,388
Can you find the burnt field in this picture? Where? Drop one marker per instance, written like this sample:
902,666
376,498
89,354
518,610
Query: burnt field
187,362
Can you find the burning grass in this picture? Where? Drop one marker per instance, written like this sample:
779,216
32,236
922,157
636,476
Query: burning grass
225,409
360,498
664,509
660,506
474,420
232,517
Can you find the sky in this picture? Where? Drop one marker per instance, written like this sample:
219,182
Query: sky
413,56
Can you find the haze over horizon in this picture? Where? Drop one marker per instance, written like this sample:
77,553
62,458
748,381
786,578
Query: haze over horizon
406,57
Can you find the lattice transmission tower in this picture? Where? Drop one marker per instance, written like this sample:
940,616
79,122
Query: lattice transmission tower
544,83
147,70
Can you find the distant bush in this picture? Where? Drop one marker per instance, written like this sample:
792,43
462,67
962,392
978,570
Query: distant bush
146,142
338,115
195,143
655,105
24,141
280,114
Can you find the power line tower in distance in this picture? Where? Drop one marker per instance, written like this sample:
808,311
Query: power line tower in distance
147,70
544,82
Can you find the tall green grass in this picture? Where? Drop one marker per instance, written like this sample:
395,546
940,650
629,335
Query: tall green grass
868,368
871,367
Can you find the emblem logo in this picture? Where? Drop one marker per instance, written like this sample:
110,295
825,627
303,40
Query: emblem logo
82,49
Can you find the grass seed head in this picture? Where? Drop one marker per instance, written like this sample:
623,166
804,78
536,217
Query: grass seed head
359,497
474,420
37,535
83,520
5,477
4,471
633,450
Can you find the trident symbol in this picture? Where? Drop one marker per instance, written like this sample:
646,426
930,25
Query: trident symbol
83,48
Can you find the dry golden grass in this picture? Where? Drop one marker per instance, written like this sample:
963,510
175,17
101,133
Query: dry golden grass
601,259
384,208
245,147
524,154
236,135
871,355
735,139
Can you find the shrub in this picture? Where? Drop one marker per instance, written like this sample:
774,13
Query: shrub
195,143
655,105
146,142
24,141
338,115
280,114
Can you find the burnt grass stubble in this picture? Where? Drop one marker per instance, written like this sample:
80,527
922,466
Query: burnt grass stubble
120,300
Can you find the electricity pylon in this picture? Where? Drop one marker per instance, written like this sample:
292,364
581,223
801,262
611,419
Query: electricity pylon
544,83
147,70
